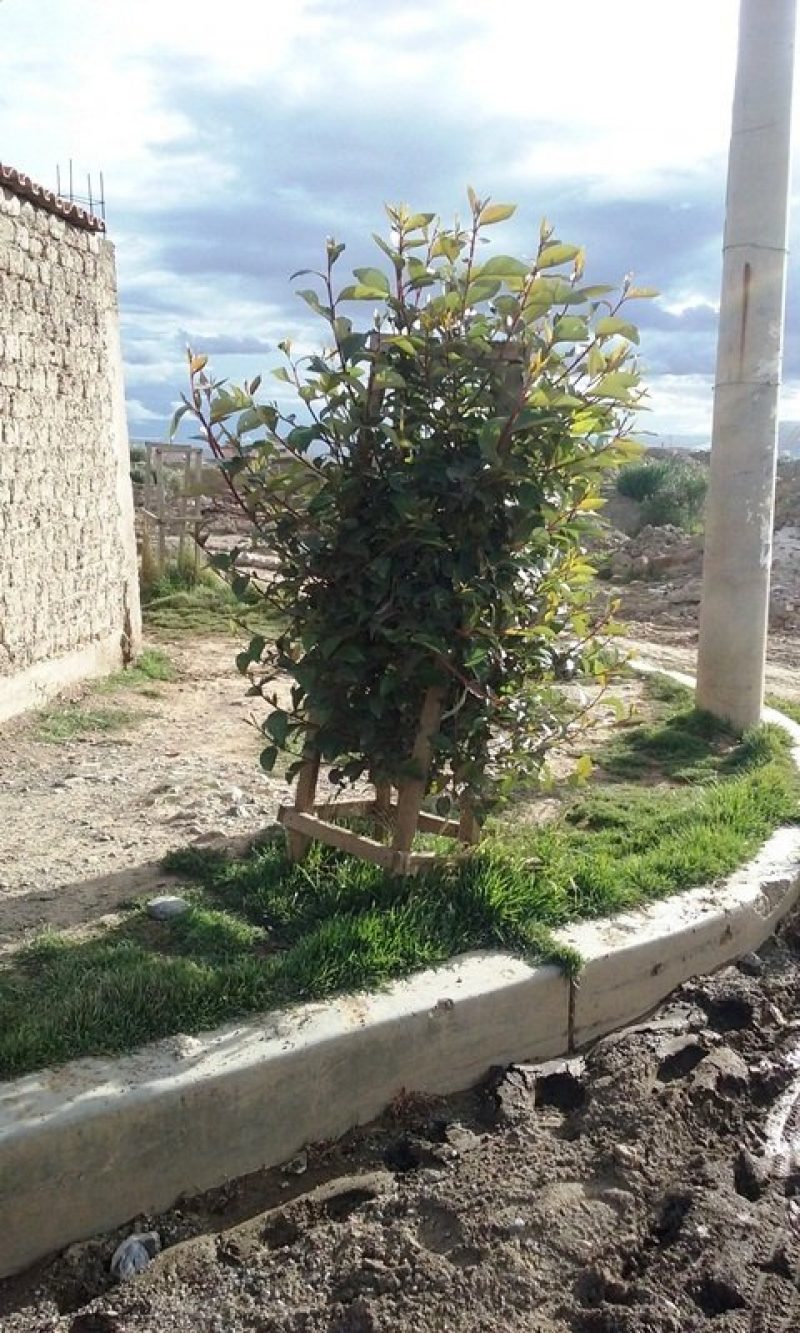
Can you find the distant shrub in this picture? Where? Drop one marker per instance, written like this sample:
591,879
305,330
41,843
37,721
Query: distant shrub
639,481
670,491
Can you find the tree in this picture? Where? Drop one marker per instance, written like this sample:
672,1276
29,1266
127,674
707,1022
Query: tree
429,508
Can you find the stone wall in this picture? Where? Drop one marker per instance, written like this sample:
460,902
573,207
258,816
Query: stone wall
69,605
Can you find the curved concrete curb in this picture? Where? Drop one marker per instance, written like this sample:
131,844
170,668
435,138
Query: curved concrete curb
88,1147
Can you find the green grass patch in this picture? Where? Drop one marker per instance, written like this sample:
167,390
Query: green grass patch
74,721
185,598
262,933
790,707
89,716
152,667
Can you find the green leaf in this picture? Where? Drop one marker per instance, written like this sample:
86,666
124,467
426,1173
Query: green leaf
595,362
508,306
642,293
570,328
277,726
268,757
612,324
482,290
405,344
591,293
495,213
373,277
502,266
300,437
177,415
249,421
617,384
362,293
386,378
311,299
418,220
560,253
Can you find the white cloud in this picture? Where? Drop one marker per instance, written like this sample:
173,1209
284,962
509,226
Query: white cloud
622,102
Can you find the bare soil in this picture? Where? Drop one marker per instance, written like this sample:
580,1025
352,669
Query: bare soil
87,821
653,1188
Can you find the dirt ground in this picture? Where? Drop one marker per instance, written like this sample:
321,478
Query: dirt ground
652,1188
86,821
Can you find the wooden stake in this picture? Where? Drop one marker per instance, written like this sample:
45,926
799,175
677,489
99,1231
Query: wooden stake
467,824
413,789
298,843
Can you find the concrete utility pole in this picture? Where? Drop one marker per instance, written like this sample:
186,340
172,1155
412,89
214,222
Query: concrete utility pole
741,497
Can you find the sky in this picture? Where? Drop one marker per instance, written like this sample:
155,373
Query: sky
234,138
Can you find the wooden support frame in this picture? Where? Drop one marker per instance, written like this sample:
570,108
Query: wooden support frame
308,820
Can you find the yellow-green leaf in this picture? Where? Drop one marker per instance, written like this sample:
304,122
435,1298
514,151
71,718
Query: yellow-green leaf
197,364
642,293
557,254
503,266
612,324
595,361
570,328
496,213
372,277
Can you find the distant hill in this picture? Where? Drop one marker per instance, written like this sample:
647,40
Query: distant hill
788,440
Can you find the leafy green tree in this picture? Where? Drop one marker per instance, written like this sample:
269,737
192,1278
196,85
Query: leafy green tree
429,504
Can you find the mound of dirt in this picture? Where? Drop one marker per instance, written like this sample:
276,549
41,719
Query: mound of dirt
658,575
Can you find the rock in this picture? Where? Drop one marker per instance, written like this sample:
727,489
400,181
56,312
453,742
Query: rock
134,1254
751,964
508,1090
627,1156
166,907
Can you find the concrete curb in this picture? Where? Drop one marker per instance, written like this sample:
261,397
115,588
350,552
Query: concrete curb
89,1146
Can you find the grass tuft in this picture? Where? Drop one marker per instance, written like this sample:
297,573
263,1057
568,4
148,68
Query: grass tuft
791,707
189,599
73,721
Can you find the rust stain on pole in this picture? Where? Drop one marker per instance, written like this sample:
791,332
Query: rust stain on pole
746,276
